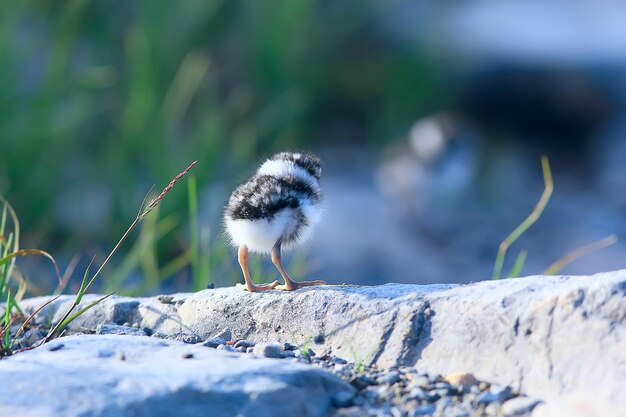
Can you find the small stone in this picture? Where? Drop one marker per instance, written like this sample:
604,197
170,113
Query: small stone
210,286
148,331
244,343
126,324
361,382
288,354
268,350
226,348
250,349
492,409
309,352
187,355
165,299
421,381
461,380
343,399
419,394
119,330
503,392
289,346
136,325
519,405
486,397
214,342
391,378
441,392
55,347
424,410
337,359
319,339
224,334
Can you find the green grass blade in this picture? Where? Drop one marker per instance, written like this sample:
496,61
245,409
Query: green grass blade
16,235
83,284
6,342
71,318
529,221
192,194
519,264
28,252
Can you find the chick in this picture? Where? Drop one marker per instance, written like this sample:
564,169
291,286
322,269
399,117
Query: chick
277,208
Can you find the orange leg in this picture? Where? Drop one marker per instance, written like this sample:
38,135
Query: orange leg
249,285
290,284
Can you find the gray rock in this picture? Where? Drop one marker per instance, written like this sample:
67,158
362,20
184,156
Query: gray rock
549,335
119,330
268,350
155,381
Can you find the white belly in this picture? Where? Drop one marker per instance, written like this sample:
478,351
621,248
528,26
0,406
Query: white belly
261,235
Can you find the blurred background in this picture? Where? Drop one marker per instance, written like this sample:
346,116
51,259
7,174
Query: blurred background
430,117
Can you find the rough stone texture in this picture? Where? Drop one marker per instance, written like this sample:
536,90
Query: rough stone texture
546,336
87,376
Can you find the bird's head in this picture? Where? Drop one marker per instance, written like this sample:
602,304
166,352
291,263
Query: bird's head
304,160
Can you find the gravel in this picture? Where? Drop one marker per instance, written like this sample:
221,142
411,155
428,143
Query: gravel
396,391
390,392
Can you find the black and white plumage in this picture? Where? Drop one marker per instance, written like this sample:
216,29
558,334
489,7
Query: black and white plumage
276,208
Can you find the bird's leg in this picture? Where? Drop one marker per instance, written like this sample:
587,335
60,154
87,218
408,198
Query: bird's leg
290,284
249,285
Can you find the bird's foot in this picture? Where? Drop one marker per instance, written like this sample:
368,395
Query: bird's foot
257,287
293,285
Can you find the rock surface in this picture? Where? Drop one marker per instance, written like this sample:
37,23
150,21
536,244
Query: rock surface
112,375
546,336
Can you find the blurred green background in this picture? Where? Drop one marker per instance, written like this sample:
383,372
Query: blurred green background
99,100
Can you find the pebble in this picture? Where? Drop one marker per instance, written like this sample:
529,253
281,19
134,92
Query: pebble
268,350
224,334
165,299
391,378
244,343
424,410
226,348
119,330
289,346
55,347
486,397
187,355
519,405
214,342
